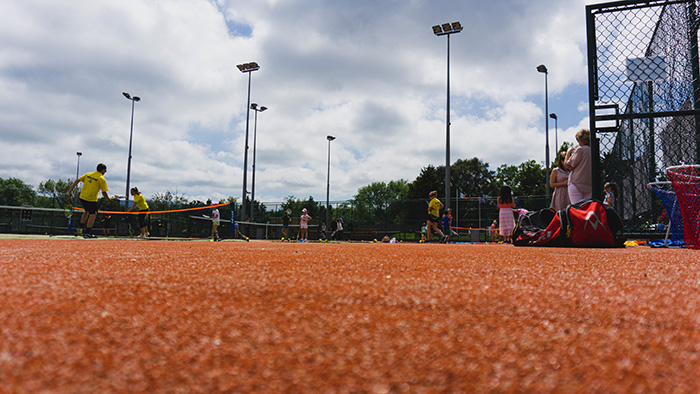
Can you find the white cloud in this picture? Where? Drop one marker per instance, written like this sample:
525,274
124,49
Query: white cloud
371,74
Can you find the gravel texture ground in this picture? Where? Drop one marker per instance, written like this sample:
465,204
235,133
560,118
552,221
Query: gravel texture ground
113,316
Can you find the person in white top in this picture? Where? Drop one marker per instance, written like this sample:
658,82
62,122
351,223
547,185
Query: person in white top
215,222
611,193
304,226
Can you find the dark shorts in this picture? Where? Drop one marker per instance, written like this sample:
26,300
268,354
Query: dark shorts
433,219
90,206
143,218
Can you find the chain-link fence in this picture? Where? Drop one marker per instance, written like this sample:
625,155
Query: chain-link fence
644,86
190,223
400,219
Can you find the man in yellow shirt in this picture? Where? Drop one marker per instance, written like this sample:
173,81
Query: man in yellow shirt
93,183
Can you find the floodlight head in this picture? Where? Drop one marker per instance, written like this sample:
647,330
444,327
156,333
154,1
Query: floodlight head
330,138
447,28
79,153
542,68
126,95
137,98
248,67
553,115
254,106
263,108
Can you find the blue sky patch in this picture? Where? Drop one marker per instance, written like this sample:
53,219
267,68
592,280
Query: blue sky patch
238,29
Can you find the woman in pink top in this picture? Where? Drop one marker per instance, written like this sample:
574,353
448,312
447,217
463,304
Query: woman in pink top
559,181
578,161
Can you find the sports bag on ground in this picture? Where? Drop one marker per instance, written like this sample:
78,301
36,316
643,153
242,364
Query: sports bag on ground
588,223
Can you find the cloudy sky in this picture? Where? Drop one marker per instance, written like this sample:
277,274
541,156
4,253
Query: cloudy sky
370,72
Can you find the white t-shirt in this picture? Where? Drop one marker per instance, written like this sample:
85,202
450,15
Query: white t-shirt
304,221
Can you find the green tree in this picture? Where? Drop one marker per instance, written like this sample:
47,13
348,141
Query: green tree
378,194
430,178
167,201
526,179
259,211
379,201
506,175
295,206
472,177
564,147
14,192
55,193
532,179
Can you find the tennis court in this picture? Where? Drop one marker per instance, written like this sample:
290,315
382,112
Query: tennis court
154,316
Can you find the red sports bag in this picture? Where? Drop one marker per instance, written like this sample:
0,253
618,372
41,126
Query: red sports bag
591,223
587,223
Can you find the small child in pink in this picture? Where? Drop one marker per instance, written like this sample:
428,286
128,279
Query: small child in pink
304,226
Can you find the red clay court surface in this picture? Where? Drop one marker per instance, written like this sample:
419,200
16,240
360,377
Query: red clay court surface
153,316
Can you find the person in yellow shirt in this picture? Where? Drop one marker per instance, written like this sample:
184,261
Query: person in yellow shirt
140,201
93,184
434,208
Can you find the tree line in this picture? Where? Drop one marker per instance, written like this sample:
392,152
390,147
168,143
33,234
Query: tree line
378,201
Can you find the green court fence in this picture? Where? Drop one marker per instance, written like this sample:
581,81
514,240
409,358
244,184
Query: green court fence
186,224
400,219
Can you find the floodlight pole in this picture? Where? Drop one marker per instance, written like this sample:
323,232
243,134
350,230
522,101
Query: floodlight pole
543,69
246,68
441,30
131,137
77,175
257,109
328,182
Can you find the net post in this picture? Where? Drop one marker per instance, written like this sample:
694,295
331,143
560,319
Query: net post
232,226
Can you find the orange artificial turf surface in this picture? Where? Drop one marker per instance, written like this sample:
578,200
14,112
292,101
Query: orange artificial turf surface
156,316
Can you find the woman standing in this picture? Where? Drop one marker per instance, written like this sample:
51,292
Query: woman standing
140,201
559,181
578,161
